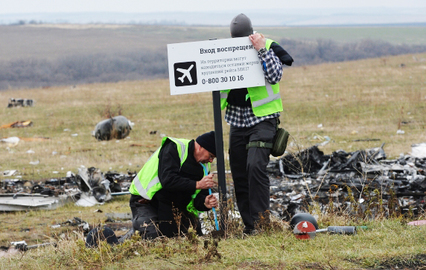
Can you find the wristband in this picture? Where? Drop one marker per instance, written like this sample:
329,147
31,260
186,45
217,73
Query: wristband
262,51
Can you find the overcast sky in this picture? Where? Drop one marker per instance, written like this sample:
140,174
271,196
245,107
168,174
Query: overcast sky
143,6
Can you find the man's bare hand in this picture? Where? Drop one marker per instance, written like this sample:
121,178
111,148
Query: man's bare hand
211,201
206,182
258,40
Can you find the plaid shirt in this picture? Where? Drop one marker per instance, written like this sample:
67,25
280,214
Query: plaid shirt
241,117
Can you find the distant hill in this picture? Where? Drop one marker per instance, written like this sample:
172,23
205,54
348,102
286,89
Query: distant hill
43,55
287,17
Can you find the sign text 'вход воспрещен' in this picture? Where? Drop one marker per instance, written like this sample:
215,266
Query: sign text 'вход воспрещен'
213,65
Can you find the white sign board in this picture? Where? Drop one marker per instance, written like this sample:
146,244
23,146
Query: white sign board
213,65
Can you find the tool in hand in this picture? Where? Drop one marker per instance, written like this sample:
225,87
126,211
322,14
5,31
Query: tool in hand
214,212
210,193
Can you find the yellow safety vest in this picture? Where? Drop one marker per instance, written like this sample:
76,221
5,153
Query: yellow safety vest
265,100
146,183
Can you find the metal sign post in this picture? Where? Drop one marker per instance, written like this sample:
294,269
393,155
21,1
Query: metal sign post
220,159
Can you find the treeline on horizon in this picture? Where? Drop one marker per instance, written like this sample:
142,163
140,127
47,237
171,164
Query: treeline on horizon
98,68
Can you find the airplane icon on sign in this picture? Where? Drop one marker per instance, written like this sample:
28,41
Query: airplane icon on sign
185,73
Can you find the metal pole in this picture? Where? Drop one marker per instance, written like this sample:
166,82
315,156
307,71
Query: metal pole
219,155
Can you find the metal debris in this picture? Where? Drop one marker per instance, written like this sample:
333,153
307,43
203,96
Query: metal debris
361,182
23,202
20,102
77,222
11,141
18,124
117,127
89,187
24,247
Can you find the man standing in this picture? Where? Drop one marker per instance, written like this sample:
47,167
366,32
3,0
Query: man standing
173,186
253,114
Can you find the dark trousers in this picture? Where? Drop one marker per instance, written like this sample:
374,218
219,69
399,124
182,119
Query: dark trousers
248,168
164,221
144,219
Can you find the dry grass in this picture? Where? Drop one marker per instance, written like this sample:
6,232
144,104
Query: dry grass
369,99
68,115
384,244
354,100
360,100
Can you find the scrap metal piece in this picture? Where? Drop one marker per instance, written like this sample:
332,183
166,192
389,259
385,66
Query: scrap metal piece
117,127
22,246
18,124
11,141
418,150
95,188
23,202
126,216
20,102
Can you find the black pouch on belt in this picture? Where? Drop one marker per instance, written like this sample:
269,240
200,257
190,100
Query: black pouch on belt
280,142
278,145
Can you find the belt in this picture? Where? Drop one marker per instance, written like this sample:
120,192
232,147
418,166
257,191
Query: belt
143,201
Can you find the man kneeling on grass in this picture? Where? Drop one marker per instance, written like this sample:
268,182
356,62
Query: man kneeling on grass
169,190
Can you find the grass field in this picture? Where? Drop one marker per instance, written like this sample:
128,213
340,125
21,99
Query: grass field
349,102
362,100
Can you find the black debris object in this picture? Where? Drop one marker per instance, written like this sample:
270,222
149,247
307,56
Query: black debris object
117,127
352,181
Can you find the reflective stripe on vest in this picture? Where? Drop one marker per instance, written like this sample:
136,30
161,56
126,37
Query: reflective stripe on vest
223,94
154,184
271,97
144,191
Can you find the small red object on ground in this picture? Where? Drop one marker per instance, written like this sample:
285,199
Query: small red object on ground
304,230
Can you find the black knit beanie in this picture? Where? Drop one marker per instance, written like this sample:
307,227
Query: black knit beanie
207,141
241,26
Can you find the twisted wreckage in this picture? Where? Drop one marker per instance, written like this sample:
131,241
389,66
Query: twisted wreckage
360,182
86,188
